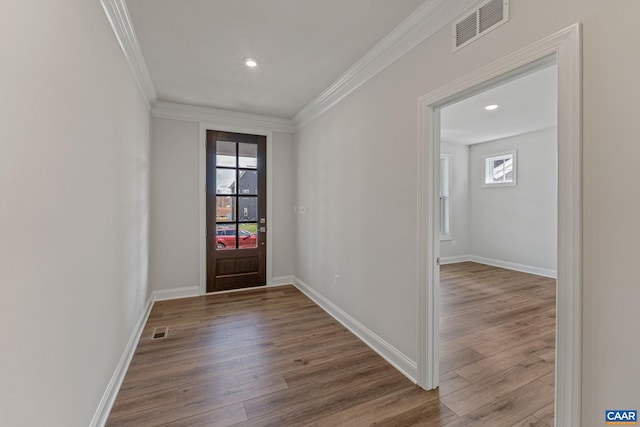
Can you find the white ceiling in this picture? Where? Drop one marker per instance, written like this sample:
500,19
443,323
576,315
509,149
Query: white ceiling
194,49
526,104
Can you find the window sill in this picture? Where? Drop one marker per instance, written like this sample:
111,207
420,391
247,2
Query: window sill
501,184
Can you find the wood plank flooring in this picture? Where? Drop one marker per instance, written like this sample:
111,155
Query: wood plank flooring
271,357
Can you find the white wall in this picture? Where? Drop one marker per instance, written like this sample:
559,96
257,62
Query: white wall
356,180
459,245
175,218
175,214
517,224
360,155
74,141
281,221
515,227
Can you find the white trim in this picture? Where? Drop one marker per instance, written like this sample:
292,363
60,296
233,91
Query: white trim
514,266
225,118
253,288
176,293
395,357
538,271
120,20
281,280
428,248
454,259
108,398
565,45
202,193
417,27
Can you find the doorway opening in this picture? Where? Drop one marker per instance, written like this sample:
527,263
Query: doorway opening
497,249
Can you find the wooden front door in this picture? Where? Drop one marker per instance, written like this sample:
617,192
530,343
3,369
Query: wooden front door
236,210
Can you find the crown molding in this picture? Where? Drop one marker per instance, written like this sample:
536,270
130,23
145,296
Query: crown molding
120,20
170,110
417,27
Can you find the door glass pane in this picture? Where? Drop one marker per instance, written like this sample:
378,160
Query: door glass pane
226,154
236,195
248,155
225,236
225,208
225,181
248,182
247,209
248,237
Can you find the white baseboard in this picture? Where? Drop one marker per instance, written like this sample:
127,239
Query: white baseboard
454,259
513,266
253,288
502,264
194,291
396,358
281,280
109,396
176,293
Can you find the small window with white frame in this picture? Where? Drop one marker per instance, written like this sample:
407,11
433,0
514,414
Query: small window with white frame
500,169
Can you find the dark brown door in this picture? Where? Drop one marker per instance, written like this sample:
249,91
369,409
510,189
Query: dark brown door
236,210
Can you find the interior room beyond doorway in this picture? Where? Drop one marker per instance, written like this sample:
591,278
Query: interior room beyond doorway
498,246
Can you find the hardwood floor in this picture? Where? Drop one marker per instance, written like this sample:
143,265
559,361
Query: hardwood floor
271,357
497,349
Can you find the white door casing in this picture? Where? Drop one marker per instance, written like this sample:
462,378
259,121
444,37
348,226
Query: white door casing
565,47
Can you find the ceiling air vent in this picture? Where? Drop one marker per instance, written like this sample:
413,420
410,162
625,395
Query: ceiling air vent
489,15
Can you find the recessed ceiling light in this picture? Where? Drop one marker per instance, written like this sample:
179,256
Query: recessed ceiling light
250,62
491,107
